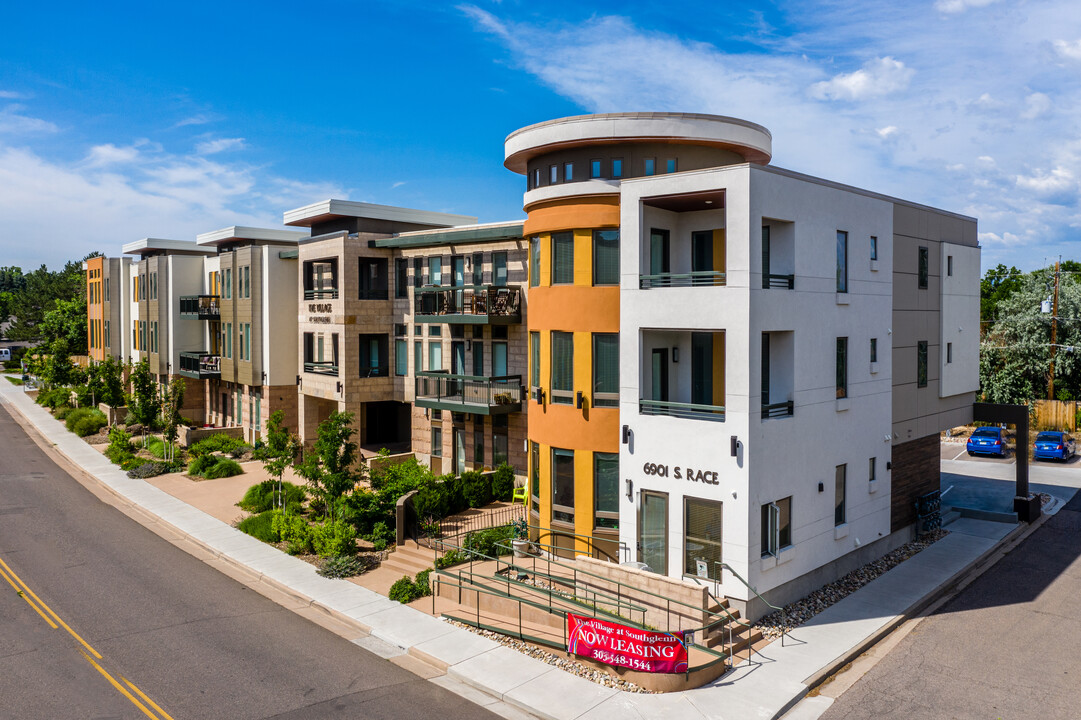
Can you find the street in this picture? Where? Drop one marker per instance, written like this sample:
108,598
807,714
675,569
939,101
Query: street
101,618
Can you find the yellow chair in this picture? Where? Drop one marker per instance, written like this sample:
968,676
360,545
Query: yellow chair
521,493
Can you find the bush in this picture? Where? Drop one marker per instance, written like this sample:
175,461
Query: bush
431,500
91,424
423,582
406,590
451,557
54,398
120,447
381,536
334,537
63,412
503,482
476,489
294,530
483,542
71,416
201,463
149,470
223,468
342,566
219,443
130,418
131,462
260,527
262,497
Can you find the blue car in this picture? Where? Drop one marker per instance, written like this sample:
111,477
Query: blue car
987,441
1053,446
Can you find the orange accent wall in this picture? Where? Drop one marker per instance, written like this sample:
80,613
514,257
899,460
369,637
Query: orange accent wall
573,308
572,214
95,311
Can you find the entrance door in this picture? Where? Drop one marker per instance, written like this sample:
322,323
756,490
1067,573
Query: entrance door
659,374
459,451
653,531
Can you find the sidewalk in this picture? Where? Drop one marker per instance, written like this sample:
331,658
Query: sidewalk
766,687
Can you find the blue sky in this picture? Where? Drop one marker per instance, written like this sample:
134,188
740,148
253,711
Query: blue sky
162,120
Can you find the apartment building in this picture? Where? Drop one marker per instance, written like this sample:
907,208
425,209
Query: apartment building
414,322
733,363
108,307
244,318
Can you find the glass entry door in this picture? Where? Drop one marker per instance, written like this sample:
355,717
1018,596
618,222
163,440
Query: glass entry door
653,531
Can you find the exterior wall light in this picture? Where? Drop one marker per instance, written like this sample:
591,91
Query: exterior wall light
675,354
630,489
735,446
626,435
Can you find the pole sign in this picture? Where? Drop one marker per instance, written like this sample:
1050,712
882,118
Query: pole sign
625,646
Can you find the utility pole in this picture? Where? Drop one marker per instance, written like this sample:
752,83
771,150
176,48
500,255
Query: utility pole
1054,333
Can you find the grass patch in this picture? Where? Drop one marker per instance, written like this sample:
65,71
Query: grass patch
262,497
213,467
260,527
14,380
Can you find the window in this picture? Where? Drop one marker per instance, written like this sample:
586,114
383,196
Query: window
437,442
562,258
418,356
435,270
874,248
401,277
553,174
534,359
536,177
229,340
228,278
499,359
776,526
372,278
921,363
949,353
568,172
605,369
478,358
435,356
534,261
499,268
562,392
478,443
401,357
478,268
874,350
949,266
154,337
243,282
373,356
842,367
418,272
606,257
257,398
500,429
108,335
924,268
320,279
839,495
617,167
606,491
842,261
871,469
534,475
594,168
435,331
702,536
245,341
670,165
562,485
650,166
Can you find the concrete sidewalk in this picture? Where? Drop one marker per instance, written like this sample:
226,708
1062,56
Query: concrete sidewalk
765,687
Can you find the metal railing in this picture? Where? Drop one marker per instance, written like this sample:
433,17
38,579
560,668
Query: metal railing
775,281
372,371
698,278
205,307
199,365
771,606
325,294
468,303
689,411
777,410
455,527
467,393
328,367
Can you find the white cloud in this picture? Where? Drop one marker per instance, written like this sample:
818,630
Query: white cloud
13,122
1036,105
210,147
11,95
877,77
1068,50
887,132
1058,180
109,154
200,119
397,185
956,6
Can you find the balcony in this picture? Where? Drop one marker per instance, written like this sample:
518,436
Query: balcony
778,410
199,365
469,393
774,281
204,307
687,411
468,305
327,367
702,278
323,294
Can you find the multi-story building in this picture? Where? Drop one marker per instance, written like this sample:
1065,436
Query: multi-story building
413,321
246,324
108,307
733,362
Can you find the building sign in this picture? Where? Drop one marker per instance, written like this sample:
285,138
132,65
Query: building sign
319,308
624,646
708,477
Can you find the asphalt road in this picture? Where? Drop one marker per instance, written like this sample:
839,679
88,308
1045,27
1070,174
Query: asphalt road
173,634
1005,647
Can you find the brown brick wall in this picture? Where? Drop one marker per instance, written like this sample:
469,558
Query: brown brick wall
915,472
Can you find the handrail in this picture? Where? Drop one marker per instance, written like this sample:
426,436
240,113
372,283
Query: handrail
784,615
689,411
776,410
623,547
697,278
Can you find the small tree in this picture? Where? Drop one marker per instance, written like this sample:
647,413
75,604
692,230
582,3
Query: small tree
329,469
171,415
278,451
146,406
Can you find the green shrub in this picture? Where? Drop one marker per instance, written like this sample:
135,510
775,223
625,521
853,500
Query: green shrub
342,566
156,447
71,416
503,482
423,583
483,542
120,447
219,443
381,536
223,468
294,530
149,470
54,398
130,418
91,424
63,412
431,500
334,537
201,463
131,462
404,590
451,557
476,488
263,497
260,527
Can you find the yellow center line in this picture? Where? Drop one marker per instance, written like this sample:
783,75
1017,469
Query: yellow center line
150,702
29,602
63,624
118,686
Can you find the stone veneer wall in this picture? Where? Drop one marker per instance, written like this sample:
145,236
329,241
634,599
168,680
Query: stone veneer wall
915,472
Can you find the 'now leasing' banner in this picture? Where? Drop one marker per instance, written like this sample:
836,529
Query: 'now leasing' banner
624,646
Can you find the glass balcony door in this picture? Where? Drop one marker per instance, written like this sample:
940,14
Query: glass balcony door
659,252
659,374
653,531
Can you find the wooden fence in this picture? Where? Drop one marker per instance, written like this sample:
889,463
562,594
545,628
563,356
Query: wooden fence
1056,415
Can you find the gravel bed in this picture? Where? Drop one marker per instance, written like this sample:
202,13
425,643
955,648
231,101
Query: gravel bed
563,662
802,610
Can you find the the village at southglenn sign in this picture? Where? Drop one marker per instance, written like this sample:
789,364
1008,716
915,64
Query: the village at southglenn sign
624,646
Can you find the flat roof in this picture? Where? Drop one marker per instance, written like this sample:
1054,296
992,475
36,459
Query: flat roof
156,246
483,232
240,232
331,209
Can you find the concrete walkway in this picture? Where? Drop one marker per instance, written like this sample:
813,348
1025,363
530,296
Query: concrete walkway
765,687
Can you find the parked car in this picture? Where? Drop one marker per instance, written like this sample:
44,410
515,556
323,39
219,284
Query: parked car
1053,446
987,441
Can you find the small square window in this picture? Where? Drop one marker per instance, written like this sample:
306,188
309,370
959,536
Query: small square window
670,165
650,166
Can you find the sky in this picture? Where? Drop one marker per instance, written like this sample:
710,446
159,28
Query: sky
120,121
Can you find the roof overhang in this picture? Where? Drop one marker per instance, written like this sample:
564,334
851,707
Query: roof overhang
162,246
332,209
236,233
487,232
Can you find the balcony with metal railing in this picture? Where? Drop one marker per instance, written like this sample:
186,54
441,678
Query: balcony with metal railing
203,307
322,294
199,365
687,411
468,304
700,278
474,394
327,367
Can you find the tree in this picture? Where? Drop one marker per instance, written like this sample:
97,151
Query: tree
278,451
146,406
39,293
329,469
171,414
997,284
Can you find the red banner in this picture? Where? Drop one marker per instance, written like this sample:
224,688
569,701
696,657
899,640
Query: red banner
625,646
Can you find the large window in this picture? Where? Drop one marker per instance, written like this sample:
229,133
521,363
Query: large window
372,278
499,268
776,526
562,485
842,261
606,369
478,358
924,268
401,354
606,257
617,167
401,277
229,340
373,356
921,363
435,356
606,490
702,536
228,279
478,268
534,261
418,356
839,488
243,282
842,367
478,443
437,442
874,248
562,258
245,341
594,168
534,475
562,368
499,359
534,359
418,272
320,279
435,270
